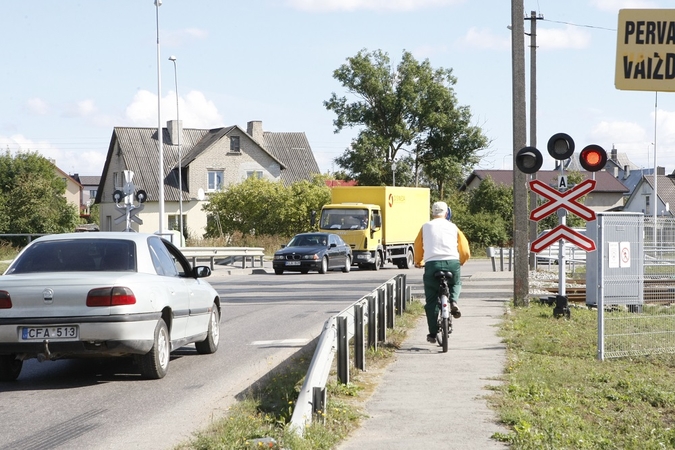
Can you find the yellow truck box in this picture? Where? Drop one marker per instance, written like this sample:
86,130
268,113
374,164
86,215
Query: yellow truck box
380,223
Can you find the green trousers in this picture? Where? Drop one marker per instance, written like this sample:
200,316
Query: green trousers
431,288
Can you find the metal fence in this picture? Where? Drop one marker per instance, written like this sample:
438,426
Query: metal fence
364,323
636,315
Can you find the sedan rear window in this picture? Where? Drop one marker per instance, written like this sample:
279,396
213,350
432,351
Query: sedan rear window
77,255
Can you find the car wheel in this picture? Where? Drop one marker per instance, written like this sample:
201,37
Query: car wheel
155,363
378,262
210,344
10,367
324,265
279,271
348,264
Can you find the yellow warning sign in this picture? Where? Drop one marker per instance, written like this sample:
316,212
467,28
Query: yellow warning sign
645,50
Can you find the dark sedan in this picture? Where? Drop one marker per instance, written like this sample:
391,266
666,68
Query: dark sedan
313,251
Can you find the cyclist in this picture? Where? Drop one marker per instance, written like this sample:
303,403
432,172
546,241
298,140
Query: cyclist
440,245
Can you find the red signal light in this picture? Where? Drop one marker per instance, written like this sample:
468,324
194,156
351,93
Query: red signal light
593,158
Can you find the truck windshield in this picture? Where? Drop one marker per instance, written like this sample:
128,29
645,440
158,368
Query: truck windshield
344,219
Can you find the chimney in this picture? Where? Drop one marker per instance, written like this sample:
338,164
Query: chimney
255,130
660,170
626,171
613,153
174,127
616,172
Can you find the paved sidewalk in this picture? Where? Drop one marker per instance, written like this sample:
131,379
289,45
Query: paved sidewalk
428,399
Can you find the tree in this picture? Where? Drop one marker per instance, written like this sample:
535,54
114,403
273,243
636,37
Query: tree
32,196
412,109
263,207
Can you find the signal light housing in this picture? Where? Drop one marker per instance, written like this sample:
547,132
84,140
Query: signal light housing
529,160
561,146
593,158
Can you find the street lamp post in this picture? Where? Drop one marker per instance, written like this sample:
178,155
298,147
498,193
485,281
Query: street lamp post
180,131
160,143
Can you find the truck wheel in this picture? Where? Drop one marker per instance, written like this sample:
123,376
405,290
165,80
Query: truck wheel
378,262
409,261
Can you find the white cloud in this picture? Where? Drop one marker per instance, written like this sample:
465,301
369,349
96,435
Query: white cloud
557,38
195,110
373,5
86,162
485,39
83,108
615,5
37,106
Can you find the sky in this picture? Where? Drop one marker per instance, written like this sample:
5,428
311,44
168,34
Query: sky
72,70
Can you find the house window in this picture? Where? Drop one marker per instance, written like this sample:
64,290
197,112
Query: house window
92,193
234,144
116,180
215,181
254,174
647,211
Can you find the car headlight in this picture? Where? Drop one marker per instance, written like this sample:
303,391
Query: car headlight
314,256
279,257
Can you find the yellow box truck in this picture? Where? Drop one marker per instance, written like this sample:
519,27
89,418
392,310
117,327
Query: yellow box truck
379,223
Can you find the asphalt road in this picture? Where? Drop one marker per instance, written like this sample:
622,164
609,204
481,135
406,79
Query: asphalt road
103,404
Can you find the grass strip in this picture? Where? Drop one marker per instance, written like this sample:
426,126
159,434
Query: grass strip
557,395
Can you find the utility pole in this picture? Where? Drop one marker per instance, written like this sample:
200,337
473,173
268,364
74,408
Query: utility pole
533,120
521,285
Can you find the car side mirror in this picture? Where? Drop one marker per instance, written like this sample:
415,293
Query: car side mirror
201,271
333,245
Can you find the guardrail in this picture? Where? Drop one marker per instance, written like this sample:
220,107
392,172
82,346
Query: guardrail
366,321
218,254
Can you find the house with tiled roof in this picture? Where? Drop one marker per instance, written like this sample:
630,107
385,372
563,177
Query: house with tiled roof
209,161
643,199
608,192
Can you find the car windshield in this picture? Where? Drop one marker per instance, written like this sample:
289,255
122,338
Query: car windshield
309,240
76,255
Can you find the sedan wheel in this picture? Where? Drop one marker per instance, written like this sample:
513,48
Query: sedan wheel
155,363
10,367
210,344
324,265
348,265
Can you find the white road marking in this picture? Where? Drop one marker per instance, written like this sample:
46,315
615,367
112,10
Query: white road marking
282,342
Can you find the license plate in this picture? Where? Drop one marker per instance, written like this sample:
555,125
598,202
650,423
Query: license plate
292,263
57,333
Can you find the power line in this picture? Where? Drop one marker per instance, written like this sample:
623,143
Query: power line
579,25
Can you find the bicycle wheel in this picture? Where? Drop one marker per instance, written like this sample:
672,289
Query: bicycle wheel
444,332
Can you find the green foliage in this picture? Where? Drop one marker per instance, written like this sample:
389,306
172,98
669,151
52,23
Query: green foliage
263,207
484,214
32,196
411,109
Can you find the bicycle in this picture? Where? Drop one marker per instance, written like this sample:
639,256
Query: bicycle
444,316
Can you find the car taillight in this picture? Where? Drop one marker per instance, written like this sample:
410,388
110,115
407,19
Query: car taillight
5,300
110,296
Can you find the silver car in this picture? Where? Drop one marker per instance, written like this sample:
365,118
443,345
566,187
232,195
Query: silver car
104,294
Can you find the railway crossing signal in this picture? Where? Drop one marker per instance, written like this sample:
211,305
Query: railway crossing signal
129,210
529,160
